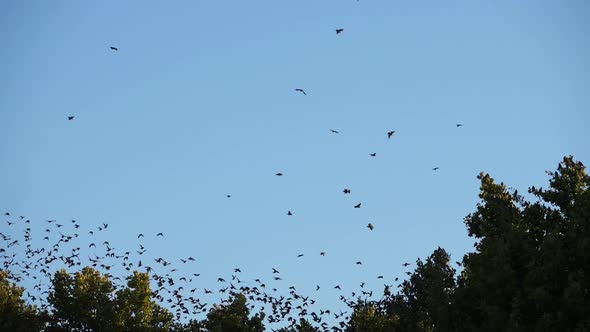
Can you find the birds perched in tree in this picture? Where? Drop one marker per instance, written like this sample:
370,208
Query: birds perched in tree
390,133
370,226
339,31
301,90
358,206
114,48
71,117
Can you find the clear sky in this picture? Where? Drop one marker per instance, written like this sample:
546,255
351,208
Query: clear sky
199,103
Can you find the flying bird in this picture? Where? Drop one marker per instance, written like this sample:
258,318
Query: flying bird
160,234
279,174
114,48
390,133
289,213
359,263
339,31
373,154
370,226
334,131
301,90
346,191
358,206
406,264
435,168
300,255
71,117
322,253
140,236
459,125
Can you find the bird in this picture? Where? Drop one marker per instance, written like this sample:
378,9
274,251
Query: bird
301,90
339,31
390,133
160,234
370,226
289,213
322,253
228,196
346,191
275,270
435,168
358,206
335,131
279,174
459,125
114,48
140,236
359,263
373,154
300,255
406,264
71,117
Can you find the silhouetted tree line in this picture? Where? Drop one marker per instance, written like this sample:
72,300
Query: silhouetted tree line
530,271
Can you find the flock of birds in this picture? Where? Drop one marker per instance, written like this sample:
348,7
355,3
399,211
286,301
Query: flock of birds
60,247
33,261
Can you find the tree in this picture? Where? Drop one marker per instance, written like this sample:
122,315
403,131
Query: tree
530,268
425,300
83,302
87,302
234,317
15,314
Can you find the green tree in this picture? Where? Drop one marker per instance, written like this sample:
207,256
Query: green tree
15,314
136,309
234,317
425,300
83,302
372,316
530,271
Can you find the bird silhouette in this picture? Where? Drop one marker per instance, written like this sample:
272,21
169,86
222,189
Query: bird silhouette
339,31
140,236
370,226
300,255
459,125
435,168
114,48
346,191
390,133
160,234
301,90
406,264
289,213
71,117
279,174
358,206
373,154
334,131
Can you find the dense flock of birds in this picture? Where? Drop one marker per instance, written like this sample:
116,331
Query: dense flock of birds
60,247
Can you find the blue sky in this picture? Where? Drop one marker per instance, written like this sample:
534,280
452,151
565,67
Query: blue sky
199,102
